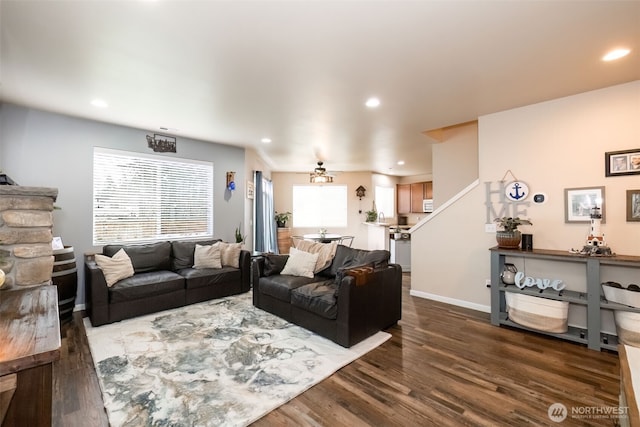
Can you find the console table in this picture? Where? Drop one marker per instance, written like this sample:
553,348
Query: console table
592,297
29,344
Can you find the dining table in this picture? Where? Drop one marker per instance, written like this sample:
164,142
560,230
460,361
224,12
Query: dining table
323,238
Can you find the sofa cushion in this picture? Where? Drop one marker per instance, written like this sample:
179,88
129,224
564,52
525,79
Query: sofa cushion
145,285
347,257
230,254
280,286
325,251
183,251
273,264
300,263
115,268
318,298
207,256
197,278
145,258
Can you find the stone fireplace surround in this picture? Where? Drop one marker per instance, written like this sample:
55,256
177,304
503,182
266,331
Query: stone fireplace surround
26,224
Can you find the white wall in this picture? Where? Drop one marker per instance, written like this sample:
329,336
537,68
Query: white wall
455,161
551,146
42,149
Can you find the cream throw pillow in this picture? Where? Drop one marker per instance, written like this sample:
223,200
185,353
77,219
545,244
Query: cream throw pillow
300,263
207,256
231,254
325,251
115,268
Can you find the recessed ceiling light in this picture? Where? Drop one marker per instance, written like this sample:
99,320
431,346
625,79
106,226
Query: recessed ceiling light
616,54
372,102
266,140
401,162
100,103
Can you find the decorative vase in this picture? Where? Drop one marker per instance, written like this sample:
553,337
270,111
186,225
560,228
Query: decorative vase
508,239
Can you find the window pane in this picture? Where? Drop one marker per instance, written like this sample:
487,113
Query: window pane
319,206
385,198
140,197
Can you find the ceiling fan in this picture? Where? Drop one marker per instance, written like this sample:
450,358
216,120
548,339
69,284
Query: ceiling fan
320,175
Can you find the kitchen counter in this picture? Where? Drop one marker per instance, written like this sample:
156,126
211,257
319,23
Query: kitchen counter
388,225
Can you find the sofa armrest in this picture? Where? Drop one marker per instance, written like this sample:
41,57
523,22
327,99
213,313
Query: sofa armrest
370,306
245,270
257,271
97,292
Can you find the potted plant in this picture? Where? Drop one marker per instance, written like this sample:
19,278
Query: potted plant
372,215
282,218
509,236
239,237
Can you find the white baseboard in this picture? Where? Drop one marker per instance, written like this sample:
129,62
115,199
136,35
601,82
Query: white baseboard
79,307
452,301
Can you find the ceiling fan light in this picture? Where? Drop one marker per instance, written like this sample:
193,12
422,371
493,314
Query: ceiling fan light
320,176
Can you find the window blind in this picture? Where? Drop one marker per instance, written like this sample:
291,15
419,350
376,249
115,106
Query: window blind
143,198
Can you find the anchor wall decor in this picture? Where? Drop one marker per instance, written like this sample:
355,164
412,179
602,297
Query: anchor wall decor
517,191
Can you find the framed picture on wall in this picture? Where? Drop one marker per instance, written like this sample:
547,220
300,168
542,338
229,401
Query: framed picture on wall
578,203
250,190
626,162
633,205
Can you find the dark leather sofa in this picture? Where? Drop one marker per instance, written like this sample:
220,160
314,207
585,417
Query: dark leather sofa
341,303
163,279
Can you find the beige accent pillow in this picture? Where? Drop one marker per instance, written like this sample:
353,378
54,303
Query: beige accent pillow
207,256
115,268
231,254
300,263
325,251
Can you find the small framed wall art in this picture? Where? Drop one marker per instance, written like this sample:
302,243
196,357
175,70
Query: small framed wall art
578,203
625,162
250,190
633,205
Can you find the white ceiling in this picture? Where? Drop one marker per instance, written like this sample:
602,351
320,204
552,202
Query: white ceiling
299,72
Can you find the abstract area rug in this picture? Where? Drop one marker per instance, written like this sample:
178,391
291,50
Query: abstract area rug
217,363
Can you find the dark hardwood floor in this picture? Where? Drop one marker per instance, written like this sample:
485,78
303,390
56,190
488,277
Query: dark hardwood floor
444,366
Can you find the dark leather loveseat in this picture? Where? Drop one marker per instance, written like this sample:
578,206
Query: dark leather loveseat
343,302
163,279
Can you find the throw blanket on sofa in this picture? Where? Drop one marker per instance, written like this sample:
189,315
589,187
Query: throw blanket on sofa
325,251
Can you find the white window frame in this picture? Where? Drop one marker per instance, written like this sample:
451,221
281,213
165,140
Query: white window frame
140,198
320,206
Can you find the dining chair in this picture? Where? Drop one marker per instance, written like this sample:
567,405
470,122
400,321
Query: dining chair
346,240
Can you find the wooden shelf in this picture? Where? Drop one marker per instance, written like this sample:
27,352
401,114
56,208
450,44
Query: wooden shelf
593,299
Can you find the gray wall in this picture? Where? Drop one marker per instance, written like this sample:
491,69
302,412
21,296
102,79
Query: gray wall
43,149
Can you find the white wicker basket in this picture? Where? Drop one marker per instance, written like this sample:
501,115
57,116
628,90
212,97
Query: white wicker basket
538,313
621,296
628,327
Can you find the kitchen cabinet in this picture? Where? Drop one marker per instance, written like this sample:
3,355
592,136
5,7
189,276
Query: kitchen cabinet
417,196
428,190
403,195
592,298
410,196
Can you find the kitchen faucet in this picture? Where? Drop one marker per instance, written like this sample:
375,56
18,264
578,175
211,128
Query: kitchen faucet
380,216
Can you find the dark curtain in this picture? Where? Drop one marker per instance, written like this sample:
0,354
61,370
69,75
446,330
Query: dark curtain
265,229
